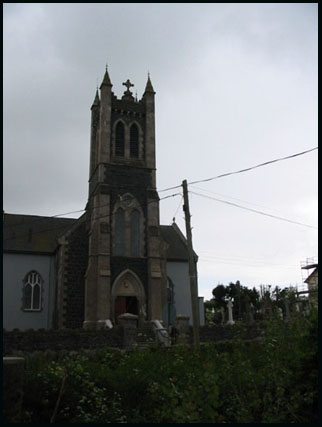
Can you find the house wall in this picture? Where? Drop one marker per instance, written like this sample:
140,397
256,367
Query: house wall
15,268
178,272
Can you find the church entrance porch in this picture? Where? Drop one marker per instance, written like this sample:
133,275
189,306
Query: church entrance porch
126,305
128,296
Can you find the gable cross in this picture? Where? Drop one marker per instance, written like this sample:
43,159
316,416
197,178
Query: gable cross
128,84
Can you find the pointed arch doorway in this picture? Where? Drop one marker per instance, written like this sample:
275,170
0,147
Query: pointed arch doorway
128,296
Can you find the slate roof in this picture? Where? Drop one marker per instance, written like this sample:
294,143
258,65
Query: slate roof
177,246
314,272
39,234
31,233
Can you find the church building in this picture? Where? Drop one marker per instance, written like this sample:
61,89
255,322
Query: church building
116,258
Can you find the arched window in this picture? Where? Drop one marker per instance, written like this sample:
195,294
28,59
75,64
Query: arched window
134,141
135,233
32,291
119,140
119,232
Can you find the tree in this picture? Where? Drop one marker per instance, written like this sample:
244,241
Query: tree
220,294
242,296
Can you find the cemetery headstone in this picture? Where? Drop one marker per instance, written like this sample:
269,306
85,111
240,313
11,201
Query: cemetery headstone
230,306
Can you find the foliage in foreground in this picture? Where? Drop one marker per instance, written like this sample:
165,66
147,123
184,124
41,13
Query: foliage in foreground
274,380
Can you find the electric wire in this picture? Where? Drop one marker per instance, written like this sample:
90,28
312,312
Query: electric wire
177,186
95,218
179,205
253,210
235,198
249,262
241,258
202,259
253,167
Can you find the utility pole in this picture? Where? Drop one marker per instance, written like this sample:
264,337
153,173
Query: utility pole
192,270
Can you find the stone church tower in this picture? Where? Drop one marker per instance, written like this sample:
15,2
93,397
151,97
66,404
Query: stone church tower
125,261
116,258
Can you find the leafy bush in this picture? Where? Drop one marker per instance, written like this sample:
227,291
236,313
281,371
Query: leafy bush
271,380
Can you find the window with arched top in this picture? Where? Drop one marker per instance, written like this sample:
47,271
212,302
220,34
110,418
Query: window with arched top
119,232
134,141
119,140
135,233
32,292
128,227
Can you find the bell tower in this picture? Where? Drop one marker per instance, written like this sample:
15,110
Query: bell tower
124,272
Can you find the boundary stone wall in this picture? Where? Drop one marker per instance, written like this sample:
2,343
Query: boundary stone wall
228,332
60,339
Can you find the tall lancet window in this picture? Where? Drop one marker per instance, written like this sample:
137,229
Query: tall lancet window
32,292
119,232
134,141
119,140
135,233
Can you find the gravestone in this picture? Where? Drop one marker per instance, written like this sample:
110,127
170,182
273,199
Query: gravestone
230,306
182,328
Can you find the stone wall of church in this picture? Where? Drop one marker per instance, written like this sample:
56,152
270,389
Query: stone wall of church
76,265
137,265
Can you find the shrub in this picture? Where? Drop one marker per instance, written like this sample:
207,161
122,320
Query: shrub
272,380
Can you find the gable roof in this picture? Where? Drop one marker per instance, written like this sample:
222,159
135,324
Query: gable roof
313,274
31,233
176,243
39,234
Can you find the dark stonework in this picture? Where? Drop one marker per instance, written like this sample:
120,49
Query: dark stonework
119,105
154,231
129,179
60,339
104,227
229,332
93,181
76,268
152,194
126,164
137,265
128,117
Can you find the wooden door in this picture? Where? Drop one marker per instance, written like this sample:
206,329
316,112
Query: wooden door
120,306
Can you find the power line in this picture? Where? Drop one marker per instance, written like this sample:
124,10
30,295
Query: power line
253,167
177,186
40,219
252,262
253,210
37,219
235,198
98,217
242,258
170,188
245,264
179,205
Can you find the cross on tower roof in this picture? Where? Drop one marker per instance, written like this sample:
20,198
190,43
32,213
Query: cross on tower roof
128,84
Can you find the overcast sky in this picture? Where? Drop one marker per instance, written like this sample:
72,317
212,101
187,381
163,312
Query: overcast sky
236,86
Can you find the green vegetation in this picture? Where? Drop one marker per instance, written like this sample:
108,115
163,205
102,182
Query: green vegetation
272,380
267,299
